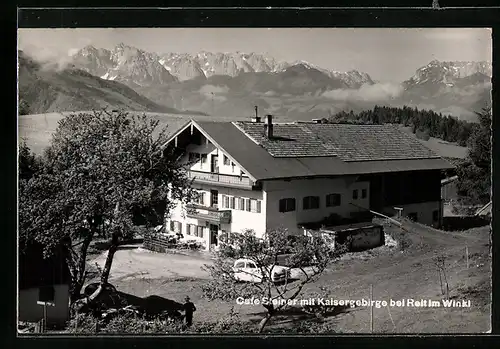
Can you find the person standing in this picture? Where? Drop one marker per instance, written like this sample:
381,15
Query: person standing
189,309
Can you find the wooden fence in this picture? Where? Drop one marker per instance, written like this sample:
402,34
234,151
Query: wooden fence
158,243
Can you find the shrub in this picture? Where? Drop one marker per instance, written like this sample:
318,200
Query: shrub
83,324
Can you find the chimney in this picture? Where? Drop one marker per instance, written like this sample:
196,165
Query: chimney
269,126
257,117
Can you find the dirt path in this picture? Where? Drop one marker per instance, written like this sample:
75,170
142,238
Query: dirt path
131,261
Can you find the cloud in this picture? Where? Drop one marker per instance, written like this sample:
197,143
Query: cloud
49,58
209,89
368,93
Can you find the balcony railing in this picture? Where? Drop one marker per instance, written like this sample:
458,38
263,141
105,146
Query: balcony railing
222,179
210,214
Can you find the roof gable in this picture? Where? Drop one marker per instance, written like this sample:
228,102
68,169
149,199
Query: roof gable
348,142
205,127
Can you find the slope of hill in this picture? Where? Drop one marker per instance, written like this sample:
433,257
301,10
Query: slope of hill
442,148
47,90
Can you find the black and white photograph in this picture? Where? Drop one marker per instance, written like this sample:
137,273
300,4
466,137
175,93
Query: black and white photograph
285,181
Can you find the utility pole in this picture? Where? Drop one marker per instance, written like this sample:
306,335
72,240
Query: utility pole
371,308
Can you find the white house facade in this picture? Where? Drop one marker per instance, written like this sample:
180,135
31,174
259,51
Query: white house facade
264,176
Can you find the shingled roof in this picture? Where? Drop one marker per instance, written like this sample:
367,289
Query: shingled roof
260,164
348,142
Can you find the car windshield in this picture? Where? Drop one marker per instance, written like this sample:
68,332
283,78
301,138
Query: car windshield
239,265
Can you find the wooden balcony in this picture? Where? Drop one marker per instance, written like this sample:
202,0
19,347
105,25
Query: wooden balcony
220,179
211,214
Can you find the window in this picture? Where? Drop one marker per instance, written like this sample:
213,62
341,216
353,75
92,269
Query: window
199,231
179,228
435,215
240,265
203,158
255,206
232,167
232,203
200,198
240,204
333,200
355,194
214,195
225,201
172,225
226,161
247,205
190,229
363,193
251,265
310,202
46,294
287,205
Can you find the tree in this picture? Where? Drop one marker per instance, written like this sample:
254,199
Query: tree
23,108
308,256
28,163
101,172
474,174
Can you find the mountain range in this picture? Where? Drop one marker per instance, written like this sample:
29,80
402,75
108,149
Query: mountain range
44,88
231,84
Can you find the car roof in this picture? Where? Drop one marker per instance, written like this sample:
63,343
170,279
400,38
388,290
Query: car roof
244,260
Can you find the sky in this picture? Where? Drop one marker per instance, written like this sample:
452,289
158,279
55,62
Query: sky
387,54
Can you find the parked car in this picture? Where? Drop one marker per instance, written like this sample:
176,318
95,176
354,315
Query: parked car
247,270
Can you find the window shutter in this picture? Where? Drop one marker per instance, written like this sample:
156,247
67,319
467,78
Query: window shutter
248,205
232,202
224,201
282,205
258,206
305,203
202,198
316,202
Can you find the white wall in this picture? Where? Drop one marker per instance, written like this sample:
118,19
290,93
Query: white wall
423,210
30,311
240,220
276,190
